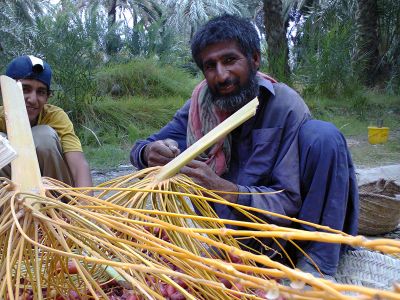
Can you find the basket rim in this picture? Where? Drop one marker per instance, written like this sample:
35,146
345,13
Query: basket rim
380,196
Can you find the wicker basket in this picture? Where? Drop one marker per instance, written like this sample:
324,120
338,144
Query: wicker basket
379,208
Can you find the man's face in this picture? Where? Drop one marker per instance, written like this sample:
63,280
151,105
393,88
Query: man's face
36,95
230,75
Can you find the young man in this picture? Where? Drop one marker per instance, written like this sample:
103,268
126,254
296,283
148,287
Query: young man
279,149
58,148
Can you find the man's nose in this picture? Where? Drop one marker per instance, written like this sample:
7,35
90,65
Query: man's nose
31,97
222,73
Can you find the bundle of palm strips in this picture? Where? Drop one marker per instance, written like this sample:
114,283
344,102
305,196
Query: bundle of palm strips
139,237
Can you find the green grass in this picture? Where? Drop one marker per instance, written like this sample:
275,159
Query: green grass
134,100
107,156
108,142
144,77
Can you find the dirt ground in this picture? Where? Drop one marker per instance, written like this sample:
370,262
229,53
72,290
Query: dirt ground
366,155
371,161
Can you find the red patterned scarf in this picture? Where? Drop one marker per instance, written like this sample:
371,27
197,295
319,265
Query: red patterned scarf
203,117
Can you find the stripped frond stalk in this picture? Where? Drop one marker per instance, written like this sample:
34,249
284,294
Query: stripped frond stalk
14,109
219,132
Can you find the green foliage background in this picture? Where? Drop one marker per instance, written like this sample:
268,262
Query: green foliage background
120,82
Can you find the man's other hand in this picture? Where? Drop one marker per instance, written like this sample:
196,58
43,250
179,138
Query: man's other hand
203,175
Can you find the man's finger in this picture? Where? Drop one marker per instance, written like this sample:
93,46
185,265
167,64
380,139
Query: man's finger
195,164
172,146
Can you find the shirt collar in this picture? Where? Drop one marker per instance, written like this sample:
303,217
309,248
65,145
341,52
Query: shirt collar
264,83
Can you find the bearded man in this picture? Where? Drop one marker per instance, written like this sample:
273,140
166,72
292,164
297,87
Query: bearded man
279,149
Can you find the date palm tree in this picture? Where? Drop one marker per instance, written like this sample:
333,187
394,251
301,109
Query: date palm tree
187,15
17,24
276,16
378,41
275,28
367,40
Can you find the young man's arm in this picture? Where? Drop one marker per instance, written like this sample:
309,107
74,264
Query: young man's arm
79,168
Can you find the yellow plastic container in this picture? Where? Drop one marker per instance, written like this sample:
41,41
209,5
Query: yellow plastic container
378,135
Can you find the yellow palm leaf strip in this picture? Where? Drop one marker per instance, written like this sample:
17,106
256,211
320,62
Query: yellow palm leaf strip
219,132
198,269
6,189
355,241
116,273
307,256
9,263
8,221
393,247
17,251
322,237
270,273
260,259
267,230
247,209
128,198
222,201
36,262
123,265
121,220
236,277
90,282
3,267
89,249
120,181
252,218
170,204
371,292
14,251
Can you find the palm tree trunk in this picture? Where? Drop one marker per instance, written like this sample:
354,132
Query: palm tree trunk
275,28
112,12
367,41
113,40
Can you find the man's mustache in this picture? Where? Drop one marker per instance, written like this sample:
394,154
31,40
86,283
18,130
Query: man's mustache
227,83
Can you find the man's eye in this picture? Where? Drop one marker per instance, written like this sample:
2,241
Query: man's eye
26,90
229,60
42,92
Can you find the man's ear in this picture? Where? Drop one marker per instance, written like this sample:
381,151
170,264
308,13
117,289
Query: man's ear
256,58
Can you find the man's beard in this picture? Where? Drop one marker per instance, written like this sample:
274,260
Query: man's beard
233,102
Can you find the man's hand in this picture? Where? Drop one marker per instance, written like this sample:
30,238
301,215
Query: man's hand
203,175
159,153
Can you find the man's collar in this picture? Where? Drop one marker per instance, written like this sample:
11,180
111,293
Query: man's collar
262,82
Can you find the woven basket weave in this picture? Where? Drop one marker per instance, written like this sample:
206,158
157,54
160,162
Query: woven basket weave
379,209
369,269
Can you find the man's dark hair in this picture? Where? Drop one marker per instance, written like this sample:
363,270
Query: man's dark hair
226,28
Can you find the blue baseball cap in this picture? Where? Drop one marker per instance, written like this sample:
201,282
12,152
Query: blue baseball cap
29,67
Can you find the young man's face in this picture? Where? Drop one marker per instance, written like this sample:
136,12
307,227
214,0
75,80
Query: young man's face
230,75
36,94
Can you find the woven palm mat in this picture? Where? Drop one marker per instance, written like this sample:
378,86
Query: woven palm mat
368,268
